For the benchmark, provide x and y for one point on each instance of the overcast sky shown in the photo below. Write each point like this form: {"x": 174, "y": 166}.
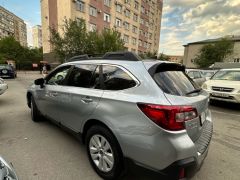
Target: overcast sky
{"x": 186, "y": 21}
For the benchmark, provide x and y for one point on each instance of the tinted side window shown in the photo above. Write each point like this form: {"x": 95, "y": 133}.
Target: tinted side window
{"x": 115, "y": 78}
{"x": 58, "y": 77}
{"x": 84, "y": 76}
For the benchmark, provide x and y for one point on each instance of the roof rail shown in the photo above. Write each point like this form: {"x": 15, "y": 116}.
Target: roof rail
{"x": 125, "y": 55}
{"x": 78, "y": 58}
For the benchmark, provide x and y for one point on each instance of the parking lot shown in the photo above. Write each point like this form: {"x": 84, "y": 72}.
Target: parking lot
{"x": 44, "y": 151}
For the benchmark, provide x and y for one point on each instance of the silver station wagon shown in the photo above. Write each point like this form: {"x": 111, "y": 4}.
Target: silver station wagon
{"x": 125, "y": 108}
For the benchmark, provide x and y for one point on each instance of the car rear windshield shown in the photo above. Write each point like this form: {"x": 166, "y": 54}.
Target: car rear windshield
{"x": 227, "y": 75}
{"x": 5, "y": 67}
{"x": 174, "y": 82}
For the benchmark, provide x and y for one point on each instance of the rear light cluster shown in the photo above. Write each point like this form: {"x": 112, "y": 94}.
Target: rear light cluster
{"x": 169, "y": 117}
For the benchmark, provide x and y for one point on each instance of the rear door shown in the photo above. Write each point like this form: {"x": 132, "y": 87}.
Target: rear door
{"x": 84, "y": 93}
{"x": 179, "y": 89}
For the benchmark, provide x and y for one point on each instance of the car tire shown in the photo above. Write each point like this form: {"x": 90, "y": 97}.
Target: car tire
{"x": 35, "y": 114}
{"x": 108, "y": 155}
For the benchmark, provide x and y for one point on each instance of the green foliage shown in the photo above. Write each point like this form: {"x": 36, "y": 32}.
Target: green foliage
{"x": 163, "y": 57}
{"x": 214, "y": 52}
{"x": 75, "y": 40}
{"x": 10, "y": 49}
{"x": 149, "y": 55}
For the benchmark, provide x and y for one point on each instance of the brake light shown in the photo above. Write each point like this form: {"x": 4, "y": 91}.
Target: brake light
{"x": 169, "y": 117}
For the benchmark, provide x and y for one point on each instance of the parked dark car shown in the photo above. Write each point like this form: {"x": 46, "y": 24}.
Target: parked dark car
{"x": 7, "y": 71}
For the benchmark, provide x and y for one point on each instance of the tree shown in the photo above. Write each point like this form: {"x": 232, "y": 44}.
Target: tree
{"x": 149, "y": 55}
{"x": 163, "y": 57}
{"x": 214, "y": 52}
{"x": 10, "y": 49}
{"x": 75, "y": 40}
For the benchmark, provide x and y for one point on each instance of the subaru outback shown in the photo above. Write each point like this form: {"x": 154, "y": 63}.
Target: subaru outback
{"x": 149, "y": 112}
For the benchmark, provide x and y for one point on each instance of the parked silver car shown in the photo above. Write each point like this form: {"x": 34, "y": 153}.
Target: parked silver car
{"x": 150, "y": 112}
{"x": 6, "y": 171}
{"x": 197, "y": 76}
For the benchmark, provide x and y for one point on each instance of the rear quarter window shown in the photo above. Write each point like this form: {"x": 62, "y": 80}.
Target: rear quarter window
{"x": 115, "y": 78}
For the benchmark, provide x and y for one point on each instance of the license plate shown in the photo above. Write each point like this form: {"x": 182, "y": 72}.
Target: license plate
{"x": 220, "y": 94}
{"x": 203, "y": 117}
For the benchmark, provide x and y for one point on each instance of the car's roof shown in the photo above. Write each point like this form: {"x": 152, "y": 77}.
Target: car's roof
{"x": 232, "y": 69}
{"x": 104, "y": 61}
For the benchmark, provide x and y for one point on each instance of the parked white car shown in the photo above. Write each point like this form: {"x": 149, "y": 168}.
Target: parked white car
{"x": 3, "y": 86}
{"x": 224, "y": 85}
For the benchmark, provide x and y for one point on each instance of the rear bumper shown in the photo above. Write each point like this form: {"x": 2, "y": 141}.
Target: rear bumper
{"x": 169, "y": 155}
{"x": 3, "y": 88}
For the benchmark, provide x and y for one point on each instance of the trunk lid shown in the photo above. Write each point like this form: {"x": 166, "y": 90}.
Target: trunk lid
{"x": 180, "y": 90}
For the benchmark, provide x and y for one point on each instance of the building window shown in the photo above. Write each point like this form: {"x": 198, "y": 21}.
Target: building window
{"x": 119, "y": 8}
{"x": 141, "y": 32}
{"x": 142, "y": 9}
{"x": 128, "y": 1}
{"x": 126, "y": 38}
{"x": 127, "y": 13}
{"x": 136, "y": 5}
{"x": 92, "y": 11}
{"x": 106, "y": 17}
{"x": 118, "y": 22}
{"x": 146, "y": 23}
{"x": 80, "y": 5}
{"x": 140, "y": 42}
{"x": 141, "y": 21}
{"x": 92, "y": 27}
{"x": 107, "y": 3}
{"x": 145, "y": 44}
{"x": 135, "y": 17}
{"x": 134, "y": 29}
{"x": 126, "y": 25}
{"x": 150, "y": 35}
{"x": 134, "y": 41}
{"x": 146, "y": 34}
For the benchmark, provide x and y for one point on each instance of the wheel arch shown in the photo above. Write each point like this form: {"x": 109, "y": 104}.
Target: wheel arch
{"x": 92, "y": 122}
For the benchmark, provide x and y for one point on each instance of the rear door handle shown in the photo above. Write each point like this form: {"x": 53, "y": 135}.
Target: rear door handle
{"x": 86, "y": 99}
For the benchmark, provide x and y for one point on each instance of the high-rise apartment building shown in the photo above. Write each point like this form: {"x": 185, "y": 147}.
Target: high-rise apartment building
{"x": 11, "y": 25}
{"x": 37, "y": 36}
{"x": 138, "y": 21}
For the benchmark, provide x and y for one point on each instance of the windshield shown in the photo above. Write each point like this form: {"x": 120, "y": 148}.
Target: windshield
{"x": 227, "y": 75}
{"x": 175, "y": 82}
{"x": 208, "y": 74}
{"x": 5, "y": 67}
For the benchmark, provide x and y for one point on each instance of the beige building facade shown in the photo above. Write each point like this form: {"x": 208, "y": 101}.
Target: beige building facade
{"x": 37, "y": 36}
{"x": 192, "y": 50}
{"x": 11, "y": 25}
{"x": 176, "y": 59}
{"x": 138, "y": 21}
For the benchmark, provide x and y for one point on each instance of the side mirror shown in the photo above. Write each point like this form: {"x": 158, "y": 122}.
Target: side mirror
{"x": 40, "y": 82}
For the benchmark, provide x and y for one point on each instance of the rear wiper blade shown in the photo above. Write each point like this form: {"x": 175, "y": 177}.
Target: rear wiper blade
{"x": 194, "y": 91}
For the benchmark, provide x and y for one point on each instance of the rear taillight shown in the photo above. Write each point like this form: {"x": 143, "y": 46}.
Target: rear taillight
{"x": 169, "y": 117}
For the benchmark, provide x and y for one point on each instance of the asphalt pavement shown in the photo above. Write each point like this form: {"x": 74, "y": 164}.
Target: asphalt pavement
{"x": 42, "y": 151}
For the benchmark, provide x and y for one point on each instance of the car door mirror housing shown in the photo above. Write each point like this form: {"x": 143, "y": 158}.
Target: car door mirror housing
{"x": 40, "y": 82}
